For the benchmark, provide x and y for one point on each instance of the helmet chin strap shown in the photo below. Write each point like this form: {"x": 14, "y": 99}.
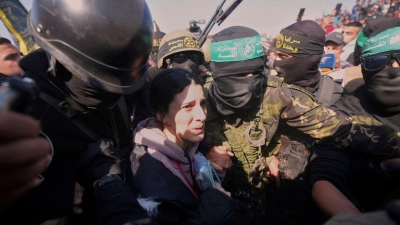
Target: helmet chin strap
{"x": 169, "y": 64}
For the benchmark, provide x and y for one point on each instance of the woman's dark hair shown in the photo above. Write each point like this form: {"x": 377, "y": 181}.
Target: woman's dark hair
{"x": 166, "y": 85}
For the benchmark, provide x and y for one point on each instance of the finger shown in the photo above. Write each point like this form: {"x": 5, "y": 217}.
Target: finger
{"x": 222, "y": 148}
{"x": 278, "y": 182}
{"x": 14, "y": 126}
{"x": 24, "y": 151}
{"x": 77, "y": 210}
{"x": 7, "y": 198}
{"x": 225, "y": 164}
{"x": 231, "y": 154}
{"x": 20, "y": 176}
{"x": 216, "y": 166}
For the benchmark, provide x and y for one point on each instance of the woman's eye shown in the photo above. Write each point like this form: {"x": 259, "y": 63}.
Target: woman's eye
{"x": 186, "y": 106}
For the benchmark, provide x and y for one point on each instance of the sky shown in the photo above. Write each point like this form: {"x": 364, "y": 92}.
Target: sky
{"x": 264, "y": 16}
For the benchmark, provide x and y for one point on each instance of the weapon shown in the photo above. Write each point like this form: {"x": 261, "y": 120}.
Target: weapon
{"x": 17, "y": 94}
{"x": 218, "y": 17}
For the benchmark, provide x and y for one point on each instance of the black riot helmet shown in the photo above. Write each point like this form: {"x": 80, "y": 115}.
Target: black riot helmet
{"x": 105, "y": 43}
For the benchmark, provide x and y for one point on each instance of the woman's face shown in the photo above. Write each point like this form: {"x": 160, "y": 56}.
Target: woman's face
{"x": 184, "y": 122}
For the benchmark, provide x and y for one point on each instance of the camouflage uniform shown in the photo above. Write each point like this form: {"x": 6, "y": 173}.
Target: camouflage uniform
{"x": 254, "y": 137}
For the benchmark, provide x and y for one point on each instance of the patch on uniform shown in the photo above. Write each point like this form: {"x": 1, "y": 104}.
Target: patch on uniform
{"x": 279, "y": 41}
{"x": 191, "y": 42}
{"x": 156, "y": 42}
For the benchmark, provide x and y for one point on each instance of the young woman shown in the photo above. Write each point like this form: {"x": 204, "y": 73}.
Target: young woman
{"x": 163, "y": 173}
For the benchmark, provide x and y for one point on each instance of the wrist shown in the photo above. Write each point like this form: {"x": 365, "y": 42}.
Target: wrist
{"x": 106, "y": 179}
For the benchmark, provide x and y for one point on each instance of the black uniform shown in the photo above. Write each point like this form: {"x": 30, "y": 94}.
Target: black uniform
{"x": 54, "y": 197}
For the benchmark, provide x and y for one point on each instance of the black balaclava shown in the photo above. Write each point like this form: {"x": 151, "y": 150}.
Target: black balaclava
{"x": 81, "y": 95}
{"x": 303, "y": 40}
{"x": 189, "y": 65}
{"x": 383, "y": 86}
{"x": 229, "y": 93}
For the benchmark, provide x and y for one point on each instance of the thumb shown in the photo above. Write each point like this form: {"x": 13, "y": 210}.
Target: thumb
{"x": 230, "y": 153}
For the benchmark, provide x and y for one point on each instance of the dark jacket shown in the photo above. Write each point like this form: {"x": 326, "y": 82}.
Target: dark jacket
{"x": 54, "y": 197}
{"x": 178, "y": 205}
{"x": 350, "y": 171}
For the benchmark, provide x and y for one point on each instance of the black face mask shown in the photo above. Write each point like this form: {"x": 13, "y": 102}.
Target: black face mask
{"x": 231, "y": 94}
{"x": 82, "y": 96}
{"x": 154, "y": 58}
{"x": 189, "y": 65}
{"x": 383, "y": 88}
{"x": 300, "y": 71}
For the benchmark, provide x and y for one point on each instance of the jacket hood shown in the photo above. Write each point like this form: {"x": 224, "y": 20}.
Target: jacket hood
{"x": 149, "y": 133}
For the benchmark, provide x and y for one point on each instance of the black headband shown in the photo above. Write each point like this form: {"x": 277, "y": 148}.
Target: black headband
{"x": 291, "y": 43}
{"x": 174, "y": 45}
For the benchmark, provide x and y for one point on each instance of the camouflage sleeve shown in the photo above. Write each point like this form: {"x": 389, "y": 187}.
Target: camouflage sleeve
{"x": 300, "y": 110}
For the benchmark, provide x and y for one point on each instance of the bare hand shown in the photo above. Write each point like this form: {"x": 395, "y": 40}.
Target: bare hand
{"x": 273, "y": 171}
{"x": 265, "y": 46}
{"x": 202, "y": 70}
{"x": 326, "y": 21}
{"x": 23, "y": 155}
{"x": 220, "y": 159}
{"x": 220, "y": 188}
{"x": 391, "y": 165}
{"x": 78, "y": 198}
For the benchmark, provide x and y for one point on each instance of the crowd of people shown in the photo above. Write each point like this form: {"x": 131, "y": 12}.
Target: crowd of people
{"x": 136, "y": 126}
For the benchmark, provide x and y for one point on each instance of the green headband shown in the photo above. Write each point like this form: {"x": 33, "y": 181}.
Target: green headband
{"x": 237, "y": 49}
{"x": 361, "y": 38}
{"x": 385, "y": 41}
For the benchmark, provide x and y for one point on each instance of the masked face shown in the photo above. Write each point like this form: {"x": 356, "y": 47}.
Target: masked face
{"x": 384, "y": 87}
{"x": 81, "y": 95}
{"x": 188, "y": 61}
{"x": 235, "y": 94}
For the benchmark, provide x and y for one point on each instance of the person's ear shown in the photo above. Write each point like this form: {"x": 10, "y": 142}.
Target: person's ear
{"x": 162, "y": 119}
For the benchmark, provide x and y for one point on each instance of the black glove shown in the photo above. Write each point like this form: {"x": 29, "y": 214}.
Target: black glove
{"x": 99, "y": 159}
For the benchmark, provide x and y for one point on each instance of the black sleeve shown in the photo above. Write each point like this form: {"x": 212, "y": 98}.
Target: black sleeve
{"x": 330, "y": 165}
{"x": 116, "y": 204}
{"x": 214, "y": 208}
{"x": 350, "y": 59}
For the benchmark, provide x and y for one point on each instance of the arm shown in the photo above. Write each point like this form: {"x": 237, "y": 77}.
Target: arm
{"x": 114, "y": 201}
{"x": 330, "y": 200}
{"x": 23, "y": 155}
{"x": 215, "y": 207}
{"x": 334, "y": 129}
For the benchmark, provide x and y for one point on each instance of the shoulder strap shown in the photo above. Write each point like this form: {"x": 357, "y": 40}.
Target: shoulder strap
{"x": 55, "y": 103}
{"x": 325, "y": 90}
{"x": 124, "y": 111}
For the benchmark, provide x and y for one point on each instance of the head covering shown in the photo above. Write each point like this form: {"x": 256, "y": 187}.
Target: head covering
{"x": 236, "y": 51}
{"x": 383, "y": 86}
{"x": 366, "y": 32}
{"x": 335, "y": 37}
{"x": 178, "y": 41}
{"x": 158, "y": 35}
{"x": 239, "y": 66}
{"x": 305, "y": 41}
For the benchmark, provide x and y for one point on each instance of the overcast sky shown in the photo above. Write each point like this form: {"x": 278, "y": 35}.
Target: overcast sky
{"x": 265, "y": 16}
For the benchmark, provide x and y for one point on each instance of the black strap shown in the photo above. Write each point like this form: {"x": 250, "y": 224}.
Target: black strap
{"x": 55, "y": 103}
{"x": 124, "y": 111}
{"x": 325, "y": 90}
